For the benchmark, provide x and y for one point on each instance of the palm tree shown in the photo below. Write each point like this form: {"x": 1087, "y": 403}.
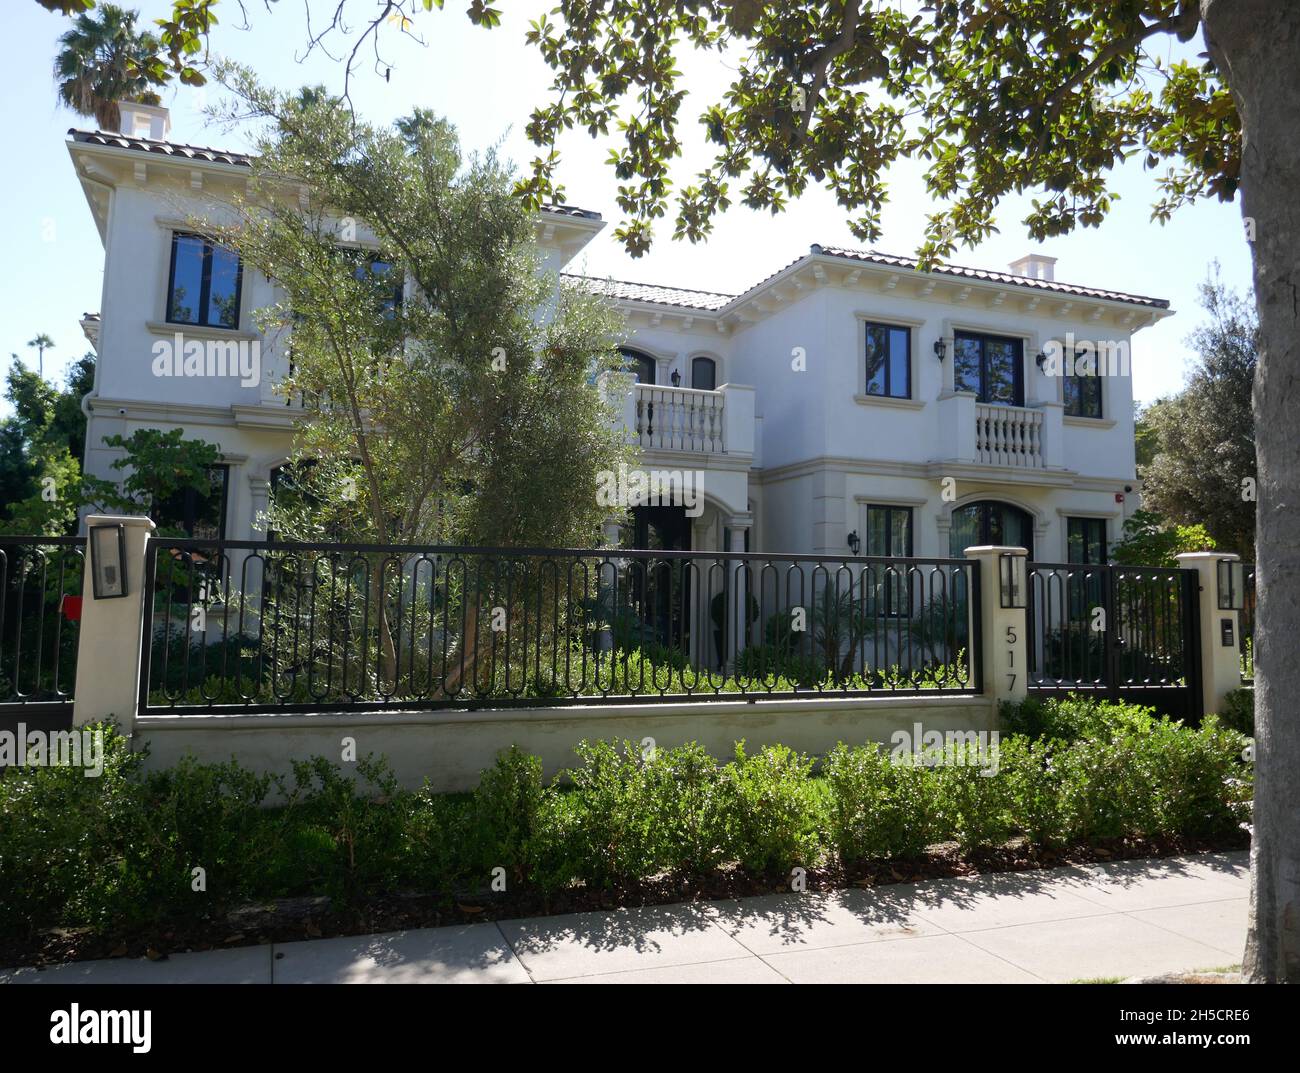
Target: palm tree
{"x": 42, "y": 343}
{"x": 101, "y": 62}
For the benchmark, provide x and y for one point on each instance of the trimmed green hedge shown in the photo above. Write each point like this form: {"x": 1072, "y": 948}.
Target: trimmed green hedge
{"x": 119, "y": 851}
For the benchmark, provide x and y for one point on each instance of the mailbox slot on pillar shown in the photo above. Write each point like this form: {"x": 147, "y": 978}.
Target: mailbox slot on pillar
{"x": 108, "y": 561}
{"x": 1225, "y": 632}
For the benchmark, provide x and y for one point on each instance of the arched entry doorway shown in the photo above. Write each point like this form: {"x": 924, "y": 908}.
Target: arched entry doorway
{"x": 990, "y": 521}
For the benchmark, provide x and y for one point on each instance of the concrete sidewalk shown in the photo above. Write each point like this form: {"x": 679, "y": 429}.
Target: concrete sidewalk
{"x": 1124, "y": 919}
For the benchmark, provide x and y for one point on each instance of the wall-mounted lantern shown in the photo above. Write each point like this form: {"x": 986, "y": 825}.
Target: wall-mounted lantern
{"x": 855, "y": 542}
{"x": 1041, "y": 359}
{"x": 676, "y": 378}
{"x": 940, "y": 349}
{"x": 1011, "y": 580}
{"x": 1232, "y": 585}
{"x": 108, "y": 561}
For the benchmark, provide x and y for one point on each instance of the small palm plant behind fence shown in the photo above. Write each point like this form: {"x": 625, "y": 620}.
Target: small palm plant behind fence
{"x": 267, "y": 626}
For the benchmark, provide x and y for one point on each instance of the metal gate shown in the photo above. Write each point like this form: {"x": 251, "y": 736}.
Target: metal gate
{"x": 1118, "y": 632}
{"x": 39, "y": 633}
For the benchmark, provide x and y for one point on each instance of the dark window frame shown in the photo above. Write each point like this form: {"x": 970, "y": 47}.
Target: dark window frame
{"x": 190, "y": 501}
{"x": 897, "y": 596}
{"x": 713, "y": 372}
{"x": 205, "y": 284}
{"x": 1085, "y": 523}
{"x": 636, "y": 362}
{"x": 985, "y": 534}
{"x": 1018, "y": 370}
{"x": 1086, "y": 590}
{"x": 889, "y": 392}
{"x": 1074, "y": 407}
{"x": 367, "y": 262}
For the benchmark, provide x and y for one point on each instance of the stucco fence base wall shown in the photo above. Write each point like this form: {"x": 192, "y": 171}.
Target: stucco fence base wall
{"x": 451, "y": 748}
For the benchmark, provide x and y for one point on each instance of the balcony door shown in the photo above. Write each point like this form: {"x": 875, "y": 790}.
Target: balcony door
{"x": 640, "y": 366}
{"x": 992, "y": 366}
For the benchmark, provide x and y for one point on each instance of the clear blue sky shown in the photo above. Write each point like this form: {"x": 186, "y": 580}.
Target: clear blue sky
{"x": 486, "y": 82}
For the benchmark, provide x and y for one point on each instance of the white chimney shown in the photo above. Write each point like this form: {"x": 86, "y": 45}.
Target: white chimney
{"x": 1035, "y": 266}
{"x": 151, "y": 121}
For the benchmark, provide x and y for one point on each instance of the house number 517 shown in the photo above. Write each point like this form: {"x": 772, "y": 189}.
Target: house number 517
{"x": 1011, "y": 655}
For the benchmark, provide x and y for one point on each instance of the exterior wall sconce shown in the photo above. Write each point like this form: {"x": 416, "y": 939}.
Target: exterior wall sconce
{"x": 1040, "y": 360}
{"x": 1232, "y": 585}
{"x": 1011, "y": 580}
{"x": 940, "y": 349}
{"x": 855, "y": 542}
{"x": 108, "y": 561}
{"x": 676, "y": 378}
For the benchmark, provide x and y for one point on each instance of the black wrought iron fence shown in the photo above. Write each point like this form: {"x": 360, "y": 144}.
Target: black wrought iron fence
{"x": 1127, "y": 632}
{"x": 40, "y": 592}
{"x": 274, "y": 626}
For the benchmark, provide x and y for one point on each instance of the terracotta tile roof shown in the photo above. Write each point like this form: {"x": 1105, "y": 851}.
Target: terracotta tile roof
{"x": 909, "y": 263}
{"x": 224, "y": 156}
{"x": 572, "y": 210}
{"x": 714, "y": 301}
{"x": 171, "y": 149}
{"x": 649, "y": 292}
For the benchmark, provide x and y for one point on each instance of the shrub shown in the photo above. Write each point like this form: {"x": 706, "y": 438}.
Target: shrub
{"x": 505, "y": 817}
{"x": 118, "y": 851}
{"x": 1071, "y": 717}
{"x": 772, "y": 809}
{"x": 63, "y": 839}
{"x": 972, "y": 799}
{"x": 610, "y": 833}
{"x": 1238, "y": 711}
{"x": 880, "y": 806}
{"x": 1195, "y": 783}
{"x": 1033, "y": 788}
{"x": 207, "y": 816}
{"x": 363, "y": 826}
{"x": 685, "y": 795}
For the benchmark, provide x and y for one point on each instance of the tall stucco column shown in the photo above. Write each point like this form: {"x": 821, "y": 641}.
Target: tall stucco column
{"x": 109, "y": 644}
{"x": 1003, "y": 640}
{"x": 738, "y": 591}
{"x": 697, "y": 573}
{"x": 1220, "y": 637}
{"x": 259, "y": 494}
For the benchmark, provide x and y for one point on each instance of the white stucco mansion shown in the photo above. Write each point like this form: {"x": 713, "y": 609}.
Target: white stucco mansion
{"x": 846, "y": 401}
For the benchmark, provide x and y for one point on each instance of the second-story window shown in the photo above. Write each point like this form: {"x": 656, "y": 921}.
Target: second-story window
{"x": 991, "y": 366}
{"x": 704, "y": 374}
{"x": 203, "y": 284}
{"x": 1082, "y": 388}
{"x": 385, "y": 281}
{"x": 889, "y": 362}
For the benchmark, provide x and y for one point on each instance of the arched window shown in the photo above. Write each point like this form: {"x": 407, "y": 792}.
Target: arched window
{"x": 704, "y": 374}
{"x": 990, "y": 522}
{"x": 640, "y": 365}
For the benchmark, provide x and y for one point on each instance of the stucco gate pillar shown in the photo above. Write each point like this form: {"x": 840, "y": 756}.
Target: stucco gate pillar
{"x": 1220, "y": 636}
{"x": 1004, "y": 640}
{"x": 109, "y": 643}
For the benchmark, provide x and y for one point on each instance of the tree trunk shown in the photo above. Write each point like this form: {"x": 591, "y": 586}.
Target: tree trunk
{"x": 1256, "y": 44}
